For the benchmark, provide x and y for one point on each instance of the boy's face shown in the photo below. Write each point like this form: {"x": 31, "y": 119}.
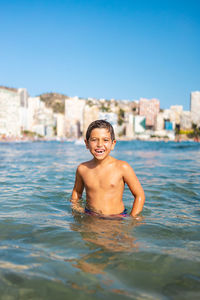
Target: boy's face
{"x": 100, "y": 143}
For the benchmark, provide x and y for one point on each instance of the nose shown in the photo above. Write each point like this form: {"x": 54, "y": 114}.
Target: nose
{"x": 99, "y": 143}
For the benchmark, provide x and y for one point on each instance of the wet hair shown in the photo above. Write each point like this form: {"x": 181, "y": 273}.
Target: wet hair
{"x": 100, "y": 124}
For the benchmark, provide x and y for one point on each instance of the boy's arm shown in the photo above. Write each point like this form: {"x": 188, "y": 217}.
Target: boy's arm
{"x": 135, "y": 187}
{"x": 77, "y": 191}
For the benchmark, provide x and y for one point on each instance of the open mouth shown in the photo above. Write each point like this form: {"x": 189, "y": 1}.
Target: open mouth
{"x": 99, "y": 151}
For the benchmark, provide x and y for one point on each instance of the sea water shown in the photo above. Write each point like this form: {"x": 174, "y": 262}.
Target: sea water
{"x": 48, "y": 252}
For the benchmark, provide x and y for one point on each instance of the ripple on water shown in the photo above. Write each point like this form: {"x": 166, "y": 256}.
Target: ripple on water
{"x": 48, "y": 252}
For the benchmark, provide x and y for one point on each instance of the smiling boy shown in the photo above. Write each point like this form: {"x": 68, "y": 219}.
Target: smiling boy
{"x": 104, "y": 177}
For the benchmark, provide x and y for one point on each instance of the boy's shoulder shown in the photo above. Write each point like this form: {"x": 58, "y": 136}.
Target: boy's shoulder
{"x": 123, "y": 163}
{"x": 120, "y": 162}
{"x": 84, "y": 165}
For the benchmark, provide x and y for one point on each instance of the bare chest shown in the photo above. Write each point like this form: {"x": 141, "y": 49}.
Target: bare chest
{"x": 106, "y": 179}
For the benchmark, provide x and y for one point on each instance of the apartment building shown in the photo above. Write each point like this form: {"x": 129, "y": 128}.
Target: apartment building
{"x": 10, "y": 122}
{"x": 149, "y": 109}
{"x": 74, "y": 117}
{"x": 195, "y": 107}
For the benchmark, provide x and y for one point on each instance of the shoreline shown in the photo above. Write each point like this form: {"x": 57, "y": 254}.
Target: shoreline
{"x": 79, "y": 141}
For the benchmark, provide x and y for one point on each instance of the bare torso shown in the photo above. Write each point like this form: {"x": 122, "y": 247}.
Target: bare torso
{"x": 104, "y": 186}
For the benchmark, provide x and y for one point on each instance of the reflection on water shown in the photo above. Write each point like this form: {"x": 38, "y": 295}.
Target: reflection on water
{"x": 48, "y": 252}
{"x": 111, "y": 234}
{"x": 105, "y": 238}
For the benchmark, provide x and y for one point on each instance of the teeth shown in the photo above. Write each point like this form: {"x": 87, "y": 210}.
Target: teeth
{"x": 99, "y": 151}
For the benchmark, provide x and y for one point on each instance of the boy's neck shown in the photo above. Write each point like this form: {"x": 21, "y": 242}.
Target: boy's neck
{"x": 103, "y": 161}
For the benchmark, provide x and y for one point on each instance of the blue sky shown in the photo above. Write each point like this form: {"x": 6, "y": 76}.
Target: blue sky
{"x": 122, "y": 49}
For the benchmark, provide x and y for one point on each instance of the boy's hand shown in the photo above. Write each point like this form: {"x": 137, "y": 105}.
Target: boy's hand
{"x": 76, "y": 206}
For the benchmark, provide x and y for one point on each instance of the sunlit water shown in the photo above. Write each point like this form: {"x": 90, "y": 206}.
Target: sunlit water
{"x": 47, "y": 252}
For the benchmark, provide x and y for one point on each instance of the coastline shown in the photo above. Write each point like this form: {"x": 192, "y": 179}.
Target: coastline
{"x": 180, "y": 138}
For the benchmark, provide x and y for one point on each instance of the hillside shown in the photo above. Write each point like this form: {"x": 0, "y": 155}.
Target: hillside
{"x": 55, "y": 101}
{"x": 8, "y": 88}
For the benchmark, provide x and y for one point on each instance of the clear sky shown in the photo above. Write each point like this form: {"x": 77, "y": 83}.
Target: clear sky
{"x": 122, "y": 49}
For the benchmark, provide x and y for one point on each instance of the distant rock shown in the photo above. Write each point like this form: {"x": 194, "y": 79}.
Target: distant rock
{"x": 8, "y": 88}
{"x": 54, "y": 100}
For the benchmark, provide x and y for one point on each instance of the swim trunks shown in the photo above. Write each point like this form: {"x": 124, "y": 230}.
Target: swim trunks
{"x": 90, "y": 212}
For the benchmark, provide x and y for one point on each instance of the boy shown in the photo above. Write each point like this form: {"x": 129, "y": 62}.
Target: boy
{"x": 104, "y": 177}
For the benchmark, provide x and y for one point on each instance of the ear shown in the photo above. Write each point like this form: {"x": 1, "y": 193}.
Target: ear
{"x": 86, "y": 144}
{"x": 113, "y": 144}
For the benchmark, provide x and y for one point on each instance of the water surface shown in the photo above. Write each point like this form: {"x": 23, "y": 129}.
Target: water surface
{"x": 48, "y": 252}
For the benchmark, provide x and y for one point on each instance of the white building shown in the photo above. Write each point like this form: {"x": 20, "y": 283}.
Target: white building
{"x": 139, "y": 124}
{"x": 60, "y": 125}
{"x": 175, "y": 114}
{"x": 90, "y": 114}
{"x": 172, "y": 115}
{"x": 160, "y": 121}
{"x": 186, "y": 120}
{"x": 74, "y": 110}
{"x": 129, "y": 126}
{"x": 41, "y": 119}
{"x": 23, "y": 108}
{"x": 10, "y": 124}
{"x": 195, "y": 107}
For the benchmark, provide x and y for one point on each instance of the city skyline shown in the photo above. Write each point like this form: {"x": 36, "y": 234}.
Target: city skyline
{"x": 52, "y": 116}
{"x": 102, "y": 49}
